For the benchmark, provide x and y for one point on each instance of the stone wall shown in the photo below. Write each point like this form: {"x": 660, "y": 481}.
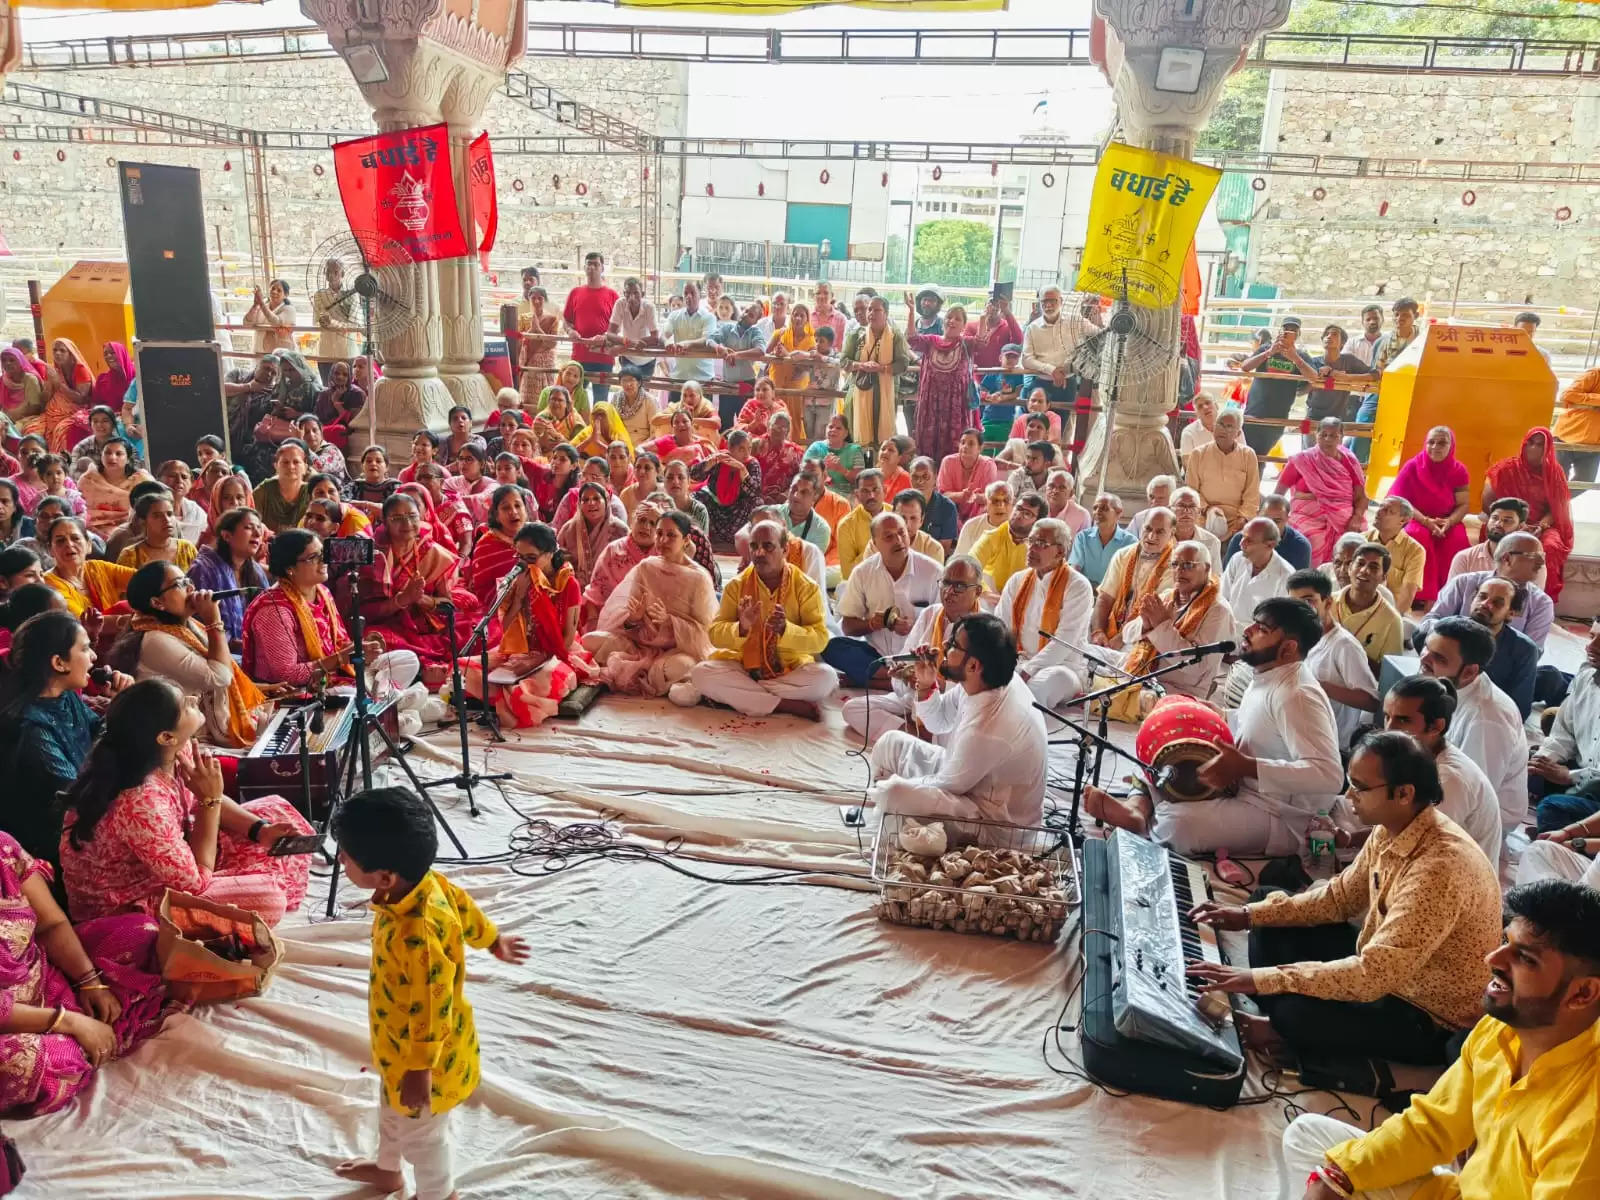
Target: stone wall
{"x": 65, "y": 198}
{"x": 1507, "y": 245}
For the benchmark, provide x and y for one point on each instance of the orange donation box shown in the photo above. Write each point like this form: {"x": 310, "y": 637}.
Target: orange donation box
{"x": 1489, "y": 384}
{"x": 90, "y": 306}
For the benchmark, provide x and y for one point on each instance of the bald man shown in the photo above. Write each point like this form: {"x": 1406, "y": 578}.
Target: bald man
{"x": 1519, "y": 557}
{"x": 767, "y": 633}
{"x": 1258, "y": 572}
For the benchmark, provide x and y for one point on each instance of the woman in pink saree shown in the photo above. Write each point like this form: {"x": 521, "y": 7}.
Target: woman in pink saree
{"x": 69, "y": 395}
{"x": 1437, "y": 483}
{"x": 70, "y": 997}
{"x": 404, "y": 589}
{"x": 1327, "y": 490}
{"x": 657, "y": 624}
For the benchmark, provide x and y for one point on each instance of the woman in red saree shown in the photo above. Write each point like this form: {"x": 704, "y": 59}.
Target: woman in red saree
{"x": 434, "y": 528}
{"x": 404, "y": 587}
{"x": 1327, "y": 490}
{"x": 944, "y": 383}
{"x": 1534, "y": 475}
{"x": 1438, "y": 485}
{"x": 495, "y": 552}
{"x": 550, "y": 484}
{"x": 779, "y": 459}
{"x": 69, "y": 392}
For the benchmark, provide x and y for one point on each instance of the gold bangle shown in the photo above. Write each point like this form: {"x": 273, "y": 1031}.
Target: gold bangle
{"x": 209, "y": 803}
{"x": 61, "y": 1013}
{"x": 92, "y": 987}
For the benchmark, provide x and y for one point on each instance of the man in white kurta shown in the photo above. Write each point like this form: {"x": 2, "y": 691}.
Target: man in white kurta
{"x": 874, "y": 713}
{"x": 1258, "y": 572}
{"x": 1193, "y": 613}
{"x": 992, "y": 765}
{"x": 1425, "y": 708}
{"x": 1338, "y": 661}
{"x": 879, "y": 602}
{"x": 1054, "y": 672}
{"x": 1487, "y": 727}
{"x": 1284, "y": 761}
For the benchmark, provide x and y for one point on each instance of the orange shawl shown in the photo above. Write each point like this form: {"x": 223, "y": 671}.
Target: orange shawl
{"x": 1123, "y": 599}
{"x": 760, "y": 656}
{"x": 1051, "y": 617}
{"x": 1143, "y": 656}
{"x": 243, "y": 695}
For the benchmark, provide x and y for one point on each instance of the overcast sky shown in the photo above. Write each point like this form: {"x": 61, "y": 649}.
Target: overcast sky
{"x": 961, "y": 104}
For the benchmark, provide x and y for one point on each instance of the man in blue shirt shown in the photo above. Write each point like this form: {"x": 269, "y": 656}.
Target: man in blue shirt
{"x": 1293, "y": 546}
{"x": 1515, "y": 665}
{"x": 1273, "y": 398}
{"x": 688, "y": 329}
{"x": 1093, "y": 547}
{"x": 743, "y": 342}
{"x": 940, "y": 519}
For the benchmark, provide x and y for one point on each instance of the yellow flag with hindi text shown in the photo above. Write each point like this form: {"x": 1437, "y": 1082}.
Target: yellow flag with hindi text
{"x": 1142, "y": 219}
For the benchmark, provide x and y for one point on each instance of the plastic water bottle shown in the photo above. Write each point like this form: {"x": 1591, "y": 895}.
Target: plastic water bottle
{"x": 1319, "y": 837}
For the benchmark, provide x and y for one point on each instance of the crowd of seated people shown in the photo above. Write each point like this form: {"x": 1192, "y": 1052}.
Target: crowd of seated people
{"x": 950, "y": 585}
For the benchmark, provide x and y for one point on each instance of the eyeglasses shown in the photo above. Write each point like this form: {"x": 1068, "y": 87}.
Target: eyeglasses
{"x": 182, "y": 581}
{"x": 1352, "y": 790}
{"x": 1042, "y": 543}
{"x": 955, "y": 585}
{"x": 1188, "y": 566}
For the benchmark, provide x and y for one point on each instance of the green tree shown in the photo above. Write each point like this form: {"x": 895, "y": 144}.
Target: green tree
{"x": 952, "y": 252}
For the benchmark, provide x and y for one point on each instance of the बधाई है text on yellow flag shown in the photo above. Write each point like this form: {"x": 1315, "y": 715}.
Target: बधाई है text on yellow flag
{"x": 1143, "y": 214}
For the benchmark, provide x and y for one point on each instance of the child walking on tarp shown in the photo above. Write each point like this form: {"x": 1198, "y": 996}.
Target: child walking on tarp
{"x": 424, "y": 1043}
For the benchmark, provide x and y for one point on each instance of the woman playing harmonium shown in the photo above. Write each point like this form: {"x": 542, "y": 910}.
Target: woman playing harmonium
{"x": 293, "y": 632}
{"x": 410, "y": 594}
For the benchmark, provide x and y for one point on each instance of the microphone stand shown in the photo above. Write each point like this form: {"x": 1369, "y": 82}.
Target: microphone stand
{"x": 489, "y": 718}
{"x": 467, "y": 778}
{"x": 363, "y": 728}
{"x": 1101, "y": 739}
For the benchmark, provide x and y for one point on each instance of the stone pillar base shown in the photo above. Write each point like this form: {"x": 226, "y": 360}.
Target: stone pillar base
{"x": 1134, "y": 457}
{"x": 404, "y": 405}
{"x": 470, "y": 388}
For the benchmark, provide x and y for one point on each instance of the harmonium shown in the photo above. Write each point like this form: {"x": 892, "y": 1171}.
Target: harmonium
{"x": 273, "y": 766}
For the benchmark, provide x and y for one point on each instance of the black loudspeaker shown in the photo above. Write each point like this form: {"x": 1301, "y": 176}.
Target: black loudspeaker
{"x": 164, "y": 229}
{"x": 180, "y": 386}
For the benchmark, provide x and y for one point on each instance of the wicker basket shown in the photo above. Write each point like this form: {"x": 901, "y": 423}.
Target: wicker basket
{"x": 990, "y": 907}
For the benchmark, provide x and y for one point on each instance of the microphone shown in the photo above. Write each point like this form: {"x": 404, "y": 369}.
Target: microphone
{"x": 895, "y": 659}
{"x": 1224, "y": 647}
{"x": 100, "y": 675}
{"x": 230, "y": 593}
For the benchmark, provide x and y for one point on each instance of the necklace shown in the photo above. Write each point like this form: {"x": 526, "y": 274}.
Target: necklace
{"x": 625, "y": 409}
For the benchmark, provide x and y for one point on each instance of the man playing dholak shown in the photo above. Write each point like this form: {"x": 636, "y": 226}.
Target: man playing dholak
{"x": 992, "y": 765}
{"x": 1284, "y": 761}
{"x": 1136, "y": 571}
{"x": 960, "y": 586}
{"x": 1190, "y": 613}
{"x": 1048, "y": 597}
{"x": 766, "y": 631}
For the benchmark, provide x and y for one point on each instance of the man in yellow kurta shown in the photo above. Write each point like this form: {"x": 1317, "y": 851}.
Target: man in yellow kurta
{"x": 1407, "y": 557}
{"x": 1520, "y": 1101}
{"x": 767, "y": 632}
{"x": 424, "y": 1042}
{"x": 854, "y": 533}
{"x": 1004, "y": 551}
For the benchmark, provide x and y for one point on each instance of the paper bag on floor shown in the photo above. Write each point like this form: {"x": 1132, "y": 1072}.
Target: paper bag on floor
{"x": 212, "y": 953}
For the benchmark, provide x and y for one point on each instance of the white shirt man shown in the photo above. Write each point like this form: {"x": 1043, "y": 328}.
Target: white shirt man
{"x": 1487, "y": 727}
{"x": 872, "y": 590}
{"x": 1048, "y": 342}
{"x": 1191, "y": 572}
{"x": 1258, "y": 572}
{"x": 873, "y": 714}
{"x": 992, "y": 765}
{"x": 1338, "y": 660}
{"x": 634, "y": 327}
{"x": 1052, "y": 671}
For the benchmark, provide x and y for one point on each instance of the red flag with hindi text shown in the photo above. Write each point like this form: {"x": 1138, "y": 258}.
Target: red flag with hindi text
{"x": 399, "y": 185}
{"x": 485, "y": 206}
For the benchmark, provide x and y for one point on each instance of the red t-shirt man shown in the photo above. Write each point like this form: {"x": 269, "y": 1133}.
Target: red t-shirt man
{"x": 588, "y": 310}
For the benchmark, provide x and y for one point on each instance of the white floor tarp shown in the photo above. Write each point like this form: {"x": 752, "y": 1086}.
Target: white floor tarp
{"x": 669, "y": 1037}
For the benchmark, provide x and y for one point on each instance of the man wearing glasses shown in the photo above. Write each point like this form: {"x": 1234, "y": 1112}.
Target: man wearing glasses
{"x": 1190, "y": 613}
{"x": 1284, "y": 762}
{"x": 1044, "y": 602}
{"x": 876, "y": 712}
{"x": 1413, "y": 977}
{"x": 991, "y": 766}
{"x": 1047, "y": 346}
{"x": 1519, "y": 558}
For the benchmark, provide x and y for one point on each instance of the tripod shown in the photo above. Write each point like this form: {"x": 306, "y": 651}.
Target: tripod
{"x": 367, "y": 724}
{"x": 1100, "y": 738}
{"x": 467, "y": 778}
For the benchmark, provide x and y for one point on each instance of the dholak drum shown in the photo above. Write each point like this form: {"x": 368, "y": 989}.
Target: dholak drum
{"x": 1178, "y": 736}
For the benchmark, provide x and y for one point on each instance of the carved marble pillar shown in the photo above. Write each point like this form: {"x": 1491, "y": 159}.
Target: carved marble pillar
{"x": 1207, "y": 40}
{"x": 419, "y": 62}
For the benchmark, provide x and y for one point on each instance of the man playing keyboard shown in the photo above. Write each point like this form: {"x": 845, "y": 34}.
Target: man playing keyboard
{"x": 1429, "y": 906}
